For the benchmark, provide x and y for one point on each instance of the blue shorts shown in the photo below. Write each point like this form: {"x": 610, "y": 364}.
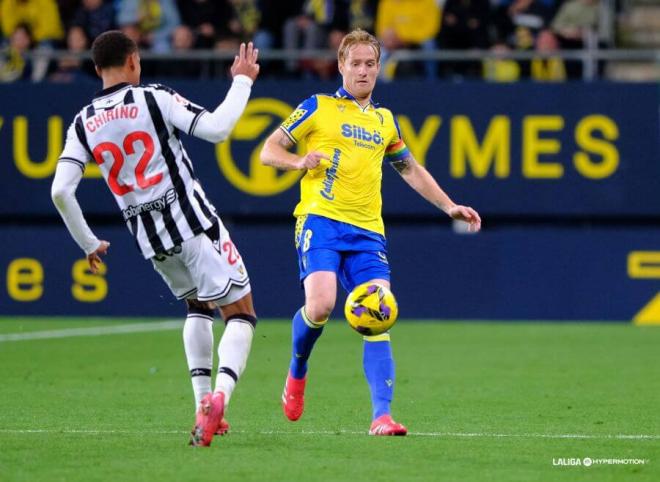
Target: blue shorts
{"x": 357, "y": 255}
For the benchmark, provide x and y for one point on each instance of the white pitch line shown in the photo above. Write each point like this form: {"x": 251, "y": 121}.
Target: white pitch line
{"x": 345, "y": 432}
{"x": 93, "y": 331}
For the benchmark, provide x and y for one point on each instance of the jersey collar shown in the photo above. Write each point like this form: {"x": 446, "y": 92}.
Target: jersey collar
{"x": 344, "y": 94}
{"x": 111, "y": 90}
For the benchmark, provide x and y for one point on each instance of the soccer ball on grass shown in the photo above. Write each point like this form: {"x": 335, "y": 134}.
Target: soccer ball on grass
{"x": 371, "y": 309}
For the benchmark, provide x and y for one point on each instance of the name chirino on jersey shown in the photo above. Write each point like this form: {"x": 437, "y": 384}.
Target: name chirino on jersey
{"x": 130, "y": 132}
{"x": 103, "y": 117}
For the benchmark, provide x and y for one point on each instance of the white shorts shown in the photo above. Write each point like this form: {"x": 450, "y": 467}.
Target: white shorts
{"x": 204, "y": 268}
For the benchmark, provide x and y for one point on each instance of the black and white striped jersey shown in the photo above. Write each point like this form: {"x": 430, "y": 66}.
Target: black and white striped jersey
{"x": 132, "y": 133}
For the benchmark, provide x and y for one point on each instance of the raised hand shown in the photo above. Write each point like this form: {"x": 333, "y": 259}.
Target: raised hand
{"x": 245, "y": 63}
{"x": 94, "y": 259}
{"x": 467, "y": 214}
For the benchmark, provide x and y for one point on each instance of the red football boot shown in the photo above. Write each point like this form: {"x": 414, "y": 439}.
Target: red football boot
{"x": 384, "y": 425}
{"x": 223, "y": 428}
{"x": 293, "y": 397}
{"x": 209, "y": 415}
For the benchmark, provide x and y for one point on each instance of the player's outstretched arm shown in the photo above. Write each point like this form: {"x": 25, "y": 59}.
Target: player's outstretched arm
{"x": 217, "y": 125}
{"x": 421, "y": 181}
{"x": 275, "y": 153}
{"x": 63, "y": 193}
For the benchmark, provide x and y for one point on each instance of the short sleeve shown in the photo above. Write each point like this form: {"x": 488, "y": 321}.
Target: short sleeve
{"x": 75, "y": 149}
{"x": 301, "y": 121}
{"x": 396, "y": 149}
{"x": 180, "y": 112}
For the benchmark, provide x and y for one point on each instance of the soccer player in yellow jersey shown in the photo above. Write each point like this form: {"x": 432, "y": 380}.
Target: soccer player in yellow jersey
{"x": 339, "y": 229}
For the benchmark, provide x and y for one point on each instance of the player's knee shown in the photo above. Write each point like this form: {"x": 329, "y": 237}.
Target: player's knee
{"x": 196, "y": 306}
{"x": 318, "y": 309}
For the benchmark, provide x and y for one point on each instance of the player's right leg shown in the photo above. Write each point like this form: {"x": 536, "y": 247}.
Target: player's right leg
{"x": 306, "y": 327}
{"x": 222, "y": 280}
{"x": 211, "y": 276}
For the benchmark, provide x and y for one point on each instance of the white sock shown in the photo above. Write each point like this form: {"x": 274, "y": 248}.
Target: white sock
{"x": 198, "y": 343}
{"x": 233, "y": 351}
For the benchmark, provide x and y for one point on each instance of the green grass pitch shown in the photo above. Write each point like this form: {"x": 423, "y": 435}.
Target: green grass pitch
{"x": 483, "y": 401}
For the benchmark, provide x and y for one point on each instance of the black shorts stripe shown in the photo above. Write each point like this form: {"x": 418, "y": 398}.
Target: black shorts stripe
{"x": 163, "y": 136}
{"x": 171, "y": 226}
{"x": 186, "y": 294}
{"x": 230, "y": 284}
{"x": 152, "y": 234}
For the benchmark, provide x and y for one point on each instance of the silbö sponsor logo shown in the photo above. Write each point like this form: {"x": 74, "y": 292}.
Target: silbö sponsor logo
{"x": 361, "y": 136}
{"x": 331, "y": 176}
{"x": 155, "y": 205}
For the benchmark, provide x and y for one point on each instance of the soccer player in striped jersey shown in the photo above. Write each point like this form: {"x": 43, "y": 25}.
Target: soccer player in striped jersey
{"x": 132, "y": 132}
{"x": 339, "y": 228}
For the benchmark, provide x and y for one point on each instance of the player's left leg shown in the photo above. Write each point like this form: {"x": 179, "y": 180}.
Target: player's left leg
{"x": 234, "y": 347}
{"x": 371, "y": 265}
{"x": 378, "y": 364}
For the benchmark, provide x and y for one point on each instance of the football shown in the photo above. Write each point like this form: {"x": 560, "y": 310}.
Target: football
{"x": 371, "y": 309}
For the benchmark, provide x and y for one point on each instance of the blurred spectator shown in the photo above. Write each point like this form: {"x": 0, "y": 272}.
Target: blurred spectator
{"x": 72, "y": 68}
{"x": 242, "y": 25}
{"x": 94, "y": 17}
{"x": 183, "y": 40}
{"x": 501, "y": 69}
{"x": 274, "y": 14}
{"x": 347, "y": 15}
{"x": 149, "y": 22}
{"x": 575, "y": 19}
{"x": 353, "y": 14}
{"x": 518, "y": 21}
{"x": 548, "y": 69}
{"x": 41, "y": 17}
{"x": 542, "y": 69}
{"x": 13, "y": 64}
{"x": 306, "y": 28}
{"x": 406, "y": 24}
{"x": 205, "y": 18}
{"x": 464, "y": 26}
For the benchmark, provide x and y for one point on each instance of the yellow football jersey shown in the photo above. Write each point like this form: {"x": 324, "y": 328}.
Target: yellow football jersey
{"x": 357, "y": 140}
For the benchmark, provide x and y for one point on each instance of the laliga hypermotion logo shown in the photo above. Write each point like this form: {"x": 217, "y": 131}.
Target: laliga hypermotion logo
{"x": 260, "y": 118}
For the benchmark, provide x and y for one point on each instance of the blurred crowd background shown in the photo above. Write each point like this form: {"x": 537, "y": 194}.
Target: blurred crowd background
{"x": 195, "y": 38}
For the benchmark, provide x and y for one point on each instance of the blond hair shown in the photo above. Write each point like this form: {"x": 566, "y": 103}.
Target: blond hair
{"x": 354, "y": 38}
